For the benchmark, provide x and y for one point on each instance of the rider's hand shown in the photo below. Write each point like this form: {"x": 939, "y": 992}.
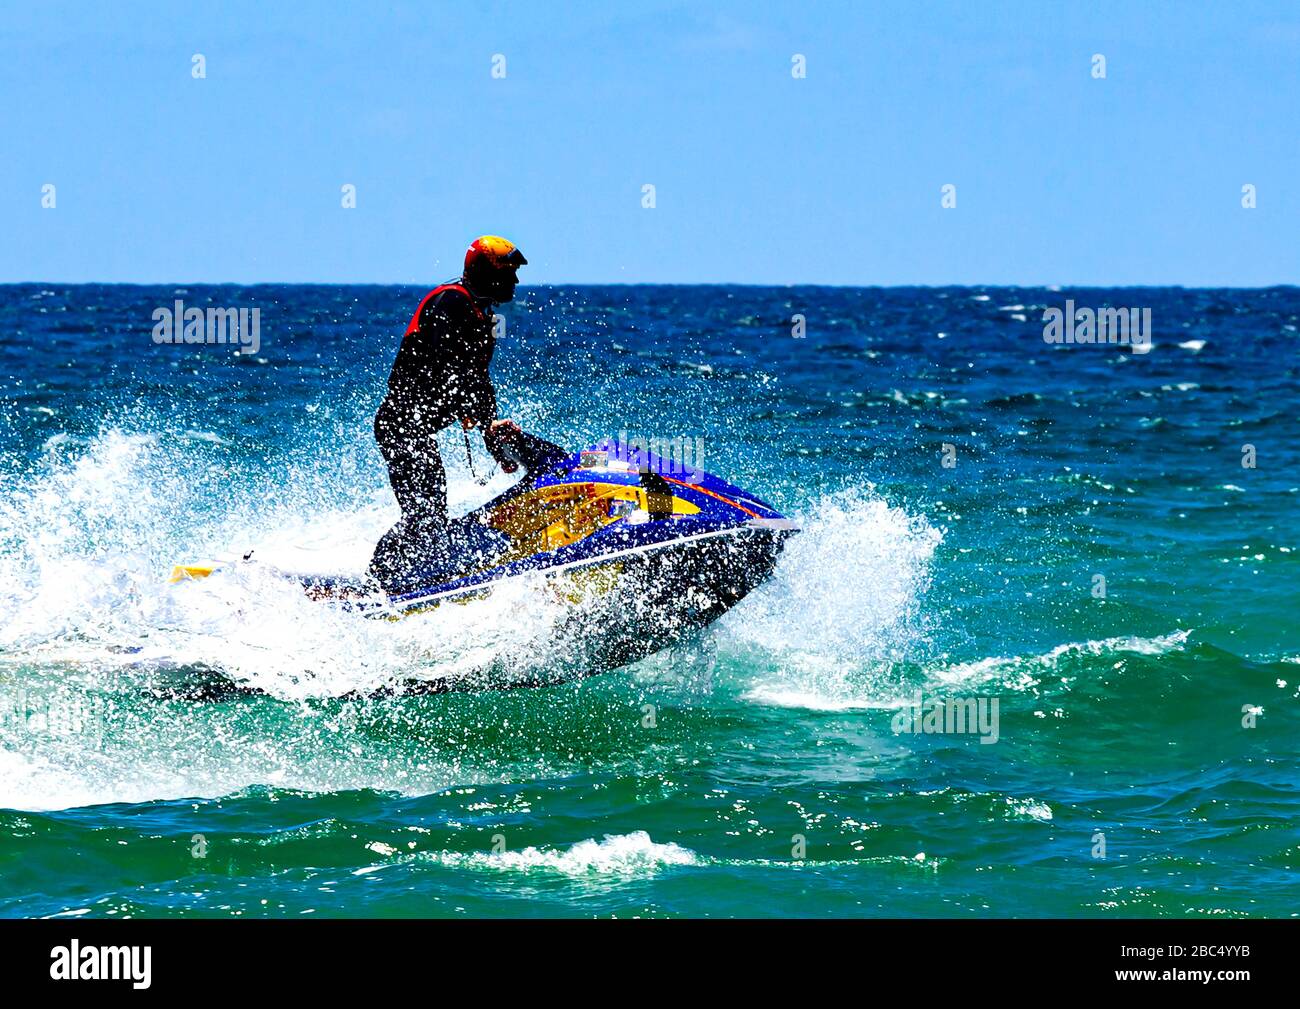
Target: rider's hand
{"x": 504, "y": 430}
{"x": 499, "y": 433}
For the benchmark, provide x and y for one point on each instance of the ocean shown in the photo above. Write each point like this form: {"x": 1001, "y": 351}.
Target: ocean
{"x": 1096, "y": 547}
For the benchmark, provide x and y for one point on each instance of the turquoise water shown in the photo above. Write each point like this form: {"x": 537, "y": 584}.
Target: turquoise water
{"x": 755, "y": 770}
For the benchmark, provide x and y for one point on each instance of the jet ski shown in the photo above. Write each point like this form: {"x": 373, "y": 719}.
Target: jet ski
{"x": 664, "y": 550}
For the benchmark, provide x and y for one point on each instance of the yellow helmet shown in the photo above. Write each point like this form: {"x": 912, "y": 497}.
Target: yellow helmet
{"x": 493, "y": 252}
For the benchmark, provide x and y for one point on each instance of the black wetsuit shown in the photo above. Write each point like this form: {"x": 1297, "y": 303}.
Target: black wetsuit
{"x": 440, "y": 376}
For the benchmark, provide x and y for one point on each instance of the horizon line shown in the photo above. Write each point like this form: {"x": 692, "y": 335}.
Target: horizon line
{"x": 653, "y": 283}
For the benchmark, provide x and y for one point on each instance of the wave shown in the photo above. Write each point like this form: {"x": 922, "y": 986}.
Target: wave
{"x": 621, "y": 855}
{"x": 1015, "y": 673}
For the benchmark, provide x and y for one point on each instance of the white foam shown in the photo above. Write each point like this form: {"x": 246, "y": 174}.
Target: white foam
{"x": 87, "y": 540}
{"x": 809, "y": 700}
{"x": 622, "y": 855}
{"x": 1008, "y": 673}
{"x": 1025, "y": 672}
{"x": 1029, "y": 809}
{"x": 843, "y": 608}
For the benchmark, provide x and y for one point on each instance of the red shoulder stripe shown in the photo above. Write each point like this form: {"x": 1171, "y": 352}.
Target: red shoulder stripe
{"x": 414, "y": 324}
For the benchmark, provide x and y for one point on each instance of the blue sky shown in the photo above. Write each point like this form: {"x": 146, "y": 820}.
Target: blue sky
{"x": 760, "y": 178}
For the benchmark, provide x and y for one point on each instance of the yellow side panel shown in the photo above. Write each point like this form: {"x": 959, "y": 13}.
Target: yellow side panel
{"x": 188, "y": 572}
{"x": 553, "y": 517}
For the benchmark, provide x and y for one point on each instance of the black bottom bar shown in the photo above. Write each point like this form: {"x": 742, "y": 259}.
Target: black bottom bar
{"x": 304, "y": 958}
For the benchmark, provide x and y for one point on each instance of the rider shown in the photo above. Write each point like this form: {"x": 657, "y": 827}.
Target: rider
{"x": 441, "y": 376}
